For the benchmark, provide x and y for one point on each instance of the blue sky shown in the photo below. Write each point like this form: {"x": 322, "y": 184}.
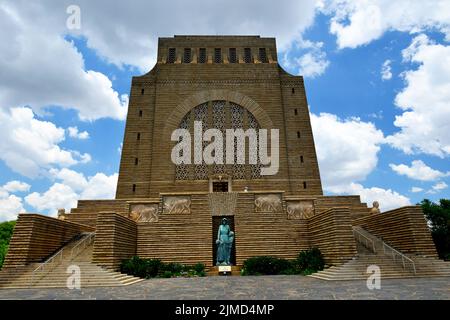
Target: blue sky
{"x": 377, "y": 78}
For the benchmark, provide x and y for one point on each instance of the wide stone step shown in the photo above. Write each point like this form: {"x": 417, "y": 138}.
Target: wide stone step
{"x": 55, "y": 275}
{"x": 356, "y": 268}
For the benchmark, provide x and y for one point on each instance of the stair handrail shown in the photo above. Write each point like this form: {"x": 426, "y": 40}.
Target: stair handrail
{"x": 359, "y": 234}
{"x": 404, "y": 259}
{"x": 82, "y": 244}
{"x": 46, "y": 263}
{"x": 396, "y": 252}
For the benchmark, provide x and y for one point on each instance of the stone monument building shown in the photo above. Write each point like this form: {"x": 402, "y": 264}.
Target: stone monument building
{"x": 172, "y": 211}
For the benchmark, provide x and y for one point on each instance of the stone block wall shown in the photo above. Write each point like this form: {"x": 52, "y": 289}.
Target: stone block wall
{"x": 331, "y": 231}
{"x": 36, "y": 237}
{"x": 405, "y": 229}
{"x": 115, "y": 239}
{"x": 267, "y": 233}
{"x": 179, "y": 237}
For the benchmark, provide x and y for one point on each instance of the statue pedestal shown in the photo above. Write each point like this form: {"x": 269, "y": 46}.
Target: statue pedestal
{"x": 224, "y": 271}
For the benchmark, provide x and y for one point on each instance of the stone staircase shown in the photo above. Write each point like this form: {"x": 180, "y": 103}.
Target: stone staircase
{"x": 55, "y": 274}
{"x": 371, "y": 252}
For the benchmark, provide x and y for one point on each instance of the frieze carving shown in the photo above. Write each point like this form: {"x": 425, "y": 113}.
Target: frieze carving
{"x": 145, "y": 212}
{"x": 268, "y": 203}
{"x": 177, "y": 205}
{"x": 303, "y": 209}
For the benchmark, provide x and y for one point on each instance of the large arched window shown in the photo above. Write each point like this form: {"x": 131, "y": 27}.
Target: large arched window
{"x": 220, "y": 115}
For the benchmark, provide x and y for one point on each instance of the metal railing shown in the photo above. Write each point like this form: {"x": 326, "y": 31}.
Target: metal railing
{"x": 46, "y": 264}
{"x": 82, "y": 245}
{"x": 368, "y": 243}
{"x": 57, "y": 257}
{"x": 394, "y": 253}
{"x": 387, "y": 250}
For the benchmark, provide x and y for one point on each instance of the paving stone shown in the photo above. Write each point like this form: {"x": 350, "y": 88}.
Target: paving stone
{"x": 263, "y": 287}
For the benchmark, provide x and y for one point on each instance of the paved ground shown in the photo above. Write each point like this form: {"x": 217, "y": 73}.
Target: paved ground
{"x": 264, "y": 287}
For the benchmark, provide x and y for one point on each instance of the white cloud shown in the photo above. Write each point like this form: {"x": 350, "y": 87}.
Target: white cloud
{"x": 386, "y": 70}
{"x": 100, "y": 186}
{"x": 11, "y": 205}
{"x": 16, "y": 186}
{"x": 84, "y": 158}
{"x": 71, "y": 178}
{"x": 418, "y": 171}
{"x": 347, "y": 150}
{"x": 312, "y": 65}
{"x": 127, "y": 34}
{"x": 358, "y": 22}
{"x": 57, "y": 197}
{"x": 138, "y": 26}
{"x": 312, "y": 61}
{"x": 70, "y": 187}
{"x": 416, "y": 189}
{"x": 74, "y": 133}
{"x": 40, "y": 68}
{"x": 425, "y": 101}
{"x": 376, "y": 115}
{"x": 30, "y": 146}
{"x": 438, "y": 187}
{"x": 388, "y": 199}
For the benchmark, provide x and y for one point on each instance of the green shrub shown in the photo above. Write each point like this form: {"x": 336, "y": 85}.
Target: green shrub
{"x": 310, "y": 261}
{"x": 266, "y": 265}
{"x": 142, "y": 268}
{"x": 199, "y": 268}
{"x": 201, "y": 274}
{"x": 174, "y": 268}
{"x": 154, "y": 267}
{"x": 134, "y": 266}
{"x": 438, "y": 216}
{"x": 6, "y": 231}
{"x": 151, "y": 268}
{"x": 3, "y": 251}
{"x": 307, "y": 262}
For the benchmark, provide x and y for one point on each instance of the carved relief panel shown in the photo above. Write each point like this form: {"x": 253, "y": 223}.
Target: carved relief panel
{"x": 268, "y": 203}
{"x": 176, "y": 205}
{"x": 302, "y": 209}
{"x": 145, "y": 212}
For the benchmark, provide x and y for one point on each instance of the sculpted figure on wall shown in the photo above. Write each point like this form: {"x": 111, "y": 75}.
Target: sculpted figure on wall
{"x": 375, "y": 207}
{"x": 62, "y": 214}
{"x": 177, "y": 204}
{"x": 268, "y": 203}
{"x": 145, "y": 213}
{"x": 300, "y": 209}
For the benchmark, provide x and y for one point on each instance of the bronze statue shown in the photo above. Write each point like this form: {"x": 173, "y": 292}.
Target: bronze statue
{"x": 225, "y": 238}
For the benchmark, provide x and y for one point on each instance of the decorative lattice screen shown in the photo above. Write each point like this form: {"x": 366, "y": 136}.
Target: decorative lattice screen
{"x": 219, "y": 115}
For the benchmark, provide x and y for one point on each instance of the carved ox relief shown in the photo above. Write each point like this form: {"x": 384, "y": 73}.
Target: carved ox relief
{"x": 144, "y": 212}
{"x": 268, "y": 203}
{"x": 177, "y": 204}
{"x": 303, "y": 209}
